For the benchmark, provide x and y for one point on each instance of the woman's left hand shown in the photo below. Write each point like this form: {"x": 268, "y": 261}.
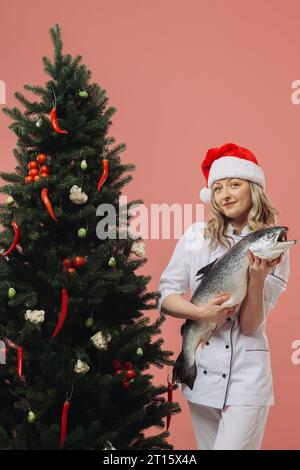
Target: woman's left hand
{"x": 260, "y": 268}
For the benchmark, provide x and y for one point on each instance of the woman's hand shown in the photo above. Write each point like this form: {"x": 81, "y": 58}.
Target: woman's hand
{"x": 214, "y": 312}
{"x": 260, "y": 268}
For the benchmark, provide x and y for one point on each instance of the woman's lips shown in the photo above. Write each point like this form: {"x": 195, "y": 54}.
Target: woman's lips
{"x": 230, "y": 204}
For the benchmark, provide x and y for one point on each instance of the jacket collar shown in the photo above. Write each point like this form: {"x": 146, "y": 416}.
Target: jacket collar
{"x": 230, "y": 231}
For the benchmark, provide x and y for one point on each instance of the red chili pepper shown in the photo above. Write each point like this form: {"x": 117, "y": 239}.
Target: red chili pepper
{"x": 54, "y": 122}
{"x": 16, "y": 238}
{"x": 63, "y": 311}
{"x": 20, "y": 361}
{"x": 170, "y": 397}
{"x": 104, "y": 173}
{"x": 64, "y": 422}
{"x": 47, "y": 203}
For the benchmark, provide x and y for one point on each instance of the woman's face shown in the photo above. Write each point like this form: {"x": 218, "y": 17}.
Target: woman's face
{"x": 235, "y": 191}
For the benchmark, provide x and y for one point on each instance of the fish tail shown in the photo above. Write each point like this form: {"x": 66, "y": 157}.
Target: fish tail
{"x": 183, "y": 373}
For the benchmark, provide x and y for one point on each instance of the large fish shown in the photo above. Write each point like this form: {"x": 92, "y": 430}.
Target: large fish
{"x": 229, "y": 274}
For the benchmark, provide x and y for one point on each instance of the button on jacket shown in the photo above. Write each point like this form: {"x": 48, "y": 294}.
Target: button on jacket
{"x": 232, "y": 368}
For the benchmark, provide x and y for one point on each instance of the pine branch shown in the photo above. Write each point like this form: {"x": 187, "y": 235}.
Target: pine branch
{"x": 55, "y": 34}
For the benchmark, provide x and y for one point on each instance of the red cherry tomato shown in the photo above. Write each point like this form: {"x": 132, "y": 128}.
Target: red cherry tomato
{"x": 130, "y": 374}
{"x": 28, "y": 179}
{"x": 45, "y": 169}
{"x": 79, "y": 261}
{"x": 41, "y": 158}
{"x": 67, "y": 263}
{"x": 33, "y": 164}
{"x": 33, "y": 172}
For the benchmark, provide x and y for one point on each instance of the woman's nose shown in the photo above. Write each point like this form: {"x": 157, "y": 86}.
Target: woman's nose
{"x": 226, "y": 193}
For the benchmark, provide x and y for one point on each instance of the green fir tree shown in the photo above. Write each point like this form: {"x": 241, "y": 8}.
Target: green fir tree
{"x": 69, "y": 281}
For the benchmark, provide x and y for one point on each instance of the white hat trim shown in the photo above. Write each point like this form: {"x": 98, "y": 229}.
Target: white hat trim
{"x": 235, "y": 167}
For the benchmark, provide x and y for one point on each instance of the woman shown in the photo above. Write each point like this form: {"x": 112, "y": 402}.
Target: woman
{"x": 233, "y": 390}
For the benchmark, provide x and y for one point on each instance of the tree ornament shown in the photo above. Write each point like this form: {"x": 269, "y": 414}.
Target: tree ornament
{"x": 53, "y": 119}
{"x": 33, "y": 172}
{"x": 83, "y": 165}
{"x": 44, "y": 169}
{"x": 104, "y": 173}
{"x": 47, "y": 203}
{"x": 67, "y": 263}
{"x": 33, "y": 164}
{"x": 130, "y": 374}
{"x": 101, "y": 341}
{"x": 11, "y": 292}
{"x": 63, "y": 312}
{"x": 139, "y": 352}
{"x": 79, "y": 262}
{"x": 81, "y": 367}
{"x": 31, "y": 418}
{"x": 35, "y": 316}
{"x": 36, "y": 178}
{"x": 89, "y": 322}
{"x": 109, "y": 446}
{"x": 77, "y": 196}
{"x": 39, "y": 123}
{"x": 15, "y": 240}
{"x": 28, "y": 179}
{"x": 138, "y": 248}
{"x": 71, "y": 271}
{"x": 83, "y": 94}
{"x": 20, "y": 357}
{"x": 112, "y": 262}
{"x": 44, "y": 175}
{"x": 10, "y": 200}
{"x": 126, "y": 385}
{"x": 41, "y": 158}
{"x": 64, "y": 422}
{"x": 81, "y": 232}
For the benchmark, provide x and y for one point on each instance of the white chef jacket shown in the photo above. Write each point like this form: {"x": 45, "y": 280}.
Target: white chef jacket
{"x": 232, "y": 368}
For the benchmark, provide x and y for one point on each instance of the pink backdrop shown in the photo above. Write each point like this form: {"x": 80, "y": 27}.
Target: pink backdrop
{"x": 185, "y": 76}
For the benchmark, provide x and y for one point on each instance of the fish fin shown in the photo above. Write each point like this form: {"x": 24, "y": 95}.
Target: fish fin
{"x": 182, "y": 373}
{"x": 203, "y": 271}
{"x": 184, "y": 325}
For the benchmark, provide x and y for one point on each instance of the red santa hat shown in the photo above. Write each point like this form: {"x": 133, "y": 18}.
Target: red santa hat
{"x": 229, "y": 161}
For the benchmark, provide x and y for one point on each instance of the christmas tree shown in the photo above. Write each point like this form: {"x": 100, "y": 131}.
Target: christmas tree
{"x": 75, "y": 344}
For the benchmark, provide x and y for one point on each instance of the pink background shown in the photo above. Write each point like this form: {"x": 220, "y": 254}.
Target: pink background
{"x": 185, "y": 76}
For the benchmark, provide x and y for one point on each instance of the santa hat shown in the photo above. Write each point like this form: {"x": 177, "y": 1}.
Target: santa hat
{"x": 229, "y": 161}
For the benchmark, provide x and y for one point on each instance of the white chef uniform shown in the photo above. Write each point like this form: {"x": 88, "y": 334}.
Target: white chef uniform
{"x": 232, "y": 368}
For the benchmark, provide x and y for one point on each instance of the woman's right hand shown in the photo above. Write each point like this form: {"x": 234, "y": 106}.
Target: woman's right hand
{"x": 213, "y": 310}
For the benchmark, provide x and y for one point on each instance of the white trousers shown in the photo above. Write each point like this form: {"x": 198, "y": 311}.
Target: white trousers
{"x": 232, "y": 428}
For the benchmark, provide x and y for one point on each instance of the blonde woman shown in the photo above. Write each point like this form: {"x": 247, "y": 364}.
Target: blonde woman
{"x": 233, "y": 390}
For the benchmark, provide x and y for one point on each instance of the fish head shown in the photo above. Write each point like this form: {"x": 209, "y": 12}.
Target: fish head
{"x": 271, "y": 242}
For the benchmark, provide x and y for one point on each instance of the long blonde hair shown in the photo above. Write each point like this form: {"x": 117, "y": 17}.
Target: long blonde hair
{"x": 261, "y": 215}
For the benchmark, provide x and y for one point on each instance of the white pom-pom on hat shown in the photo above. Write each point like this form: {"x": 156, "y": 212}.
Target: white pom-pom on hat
{"x": 205, "y": 195}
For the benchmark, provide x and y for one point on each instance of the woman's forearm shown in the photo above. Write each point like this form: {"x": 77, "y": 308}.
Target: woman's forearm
{"x": 252, "y": 311}
{"x": 175, "y": 306}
